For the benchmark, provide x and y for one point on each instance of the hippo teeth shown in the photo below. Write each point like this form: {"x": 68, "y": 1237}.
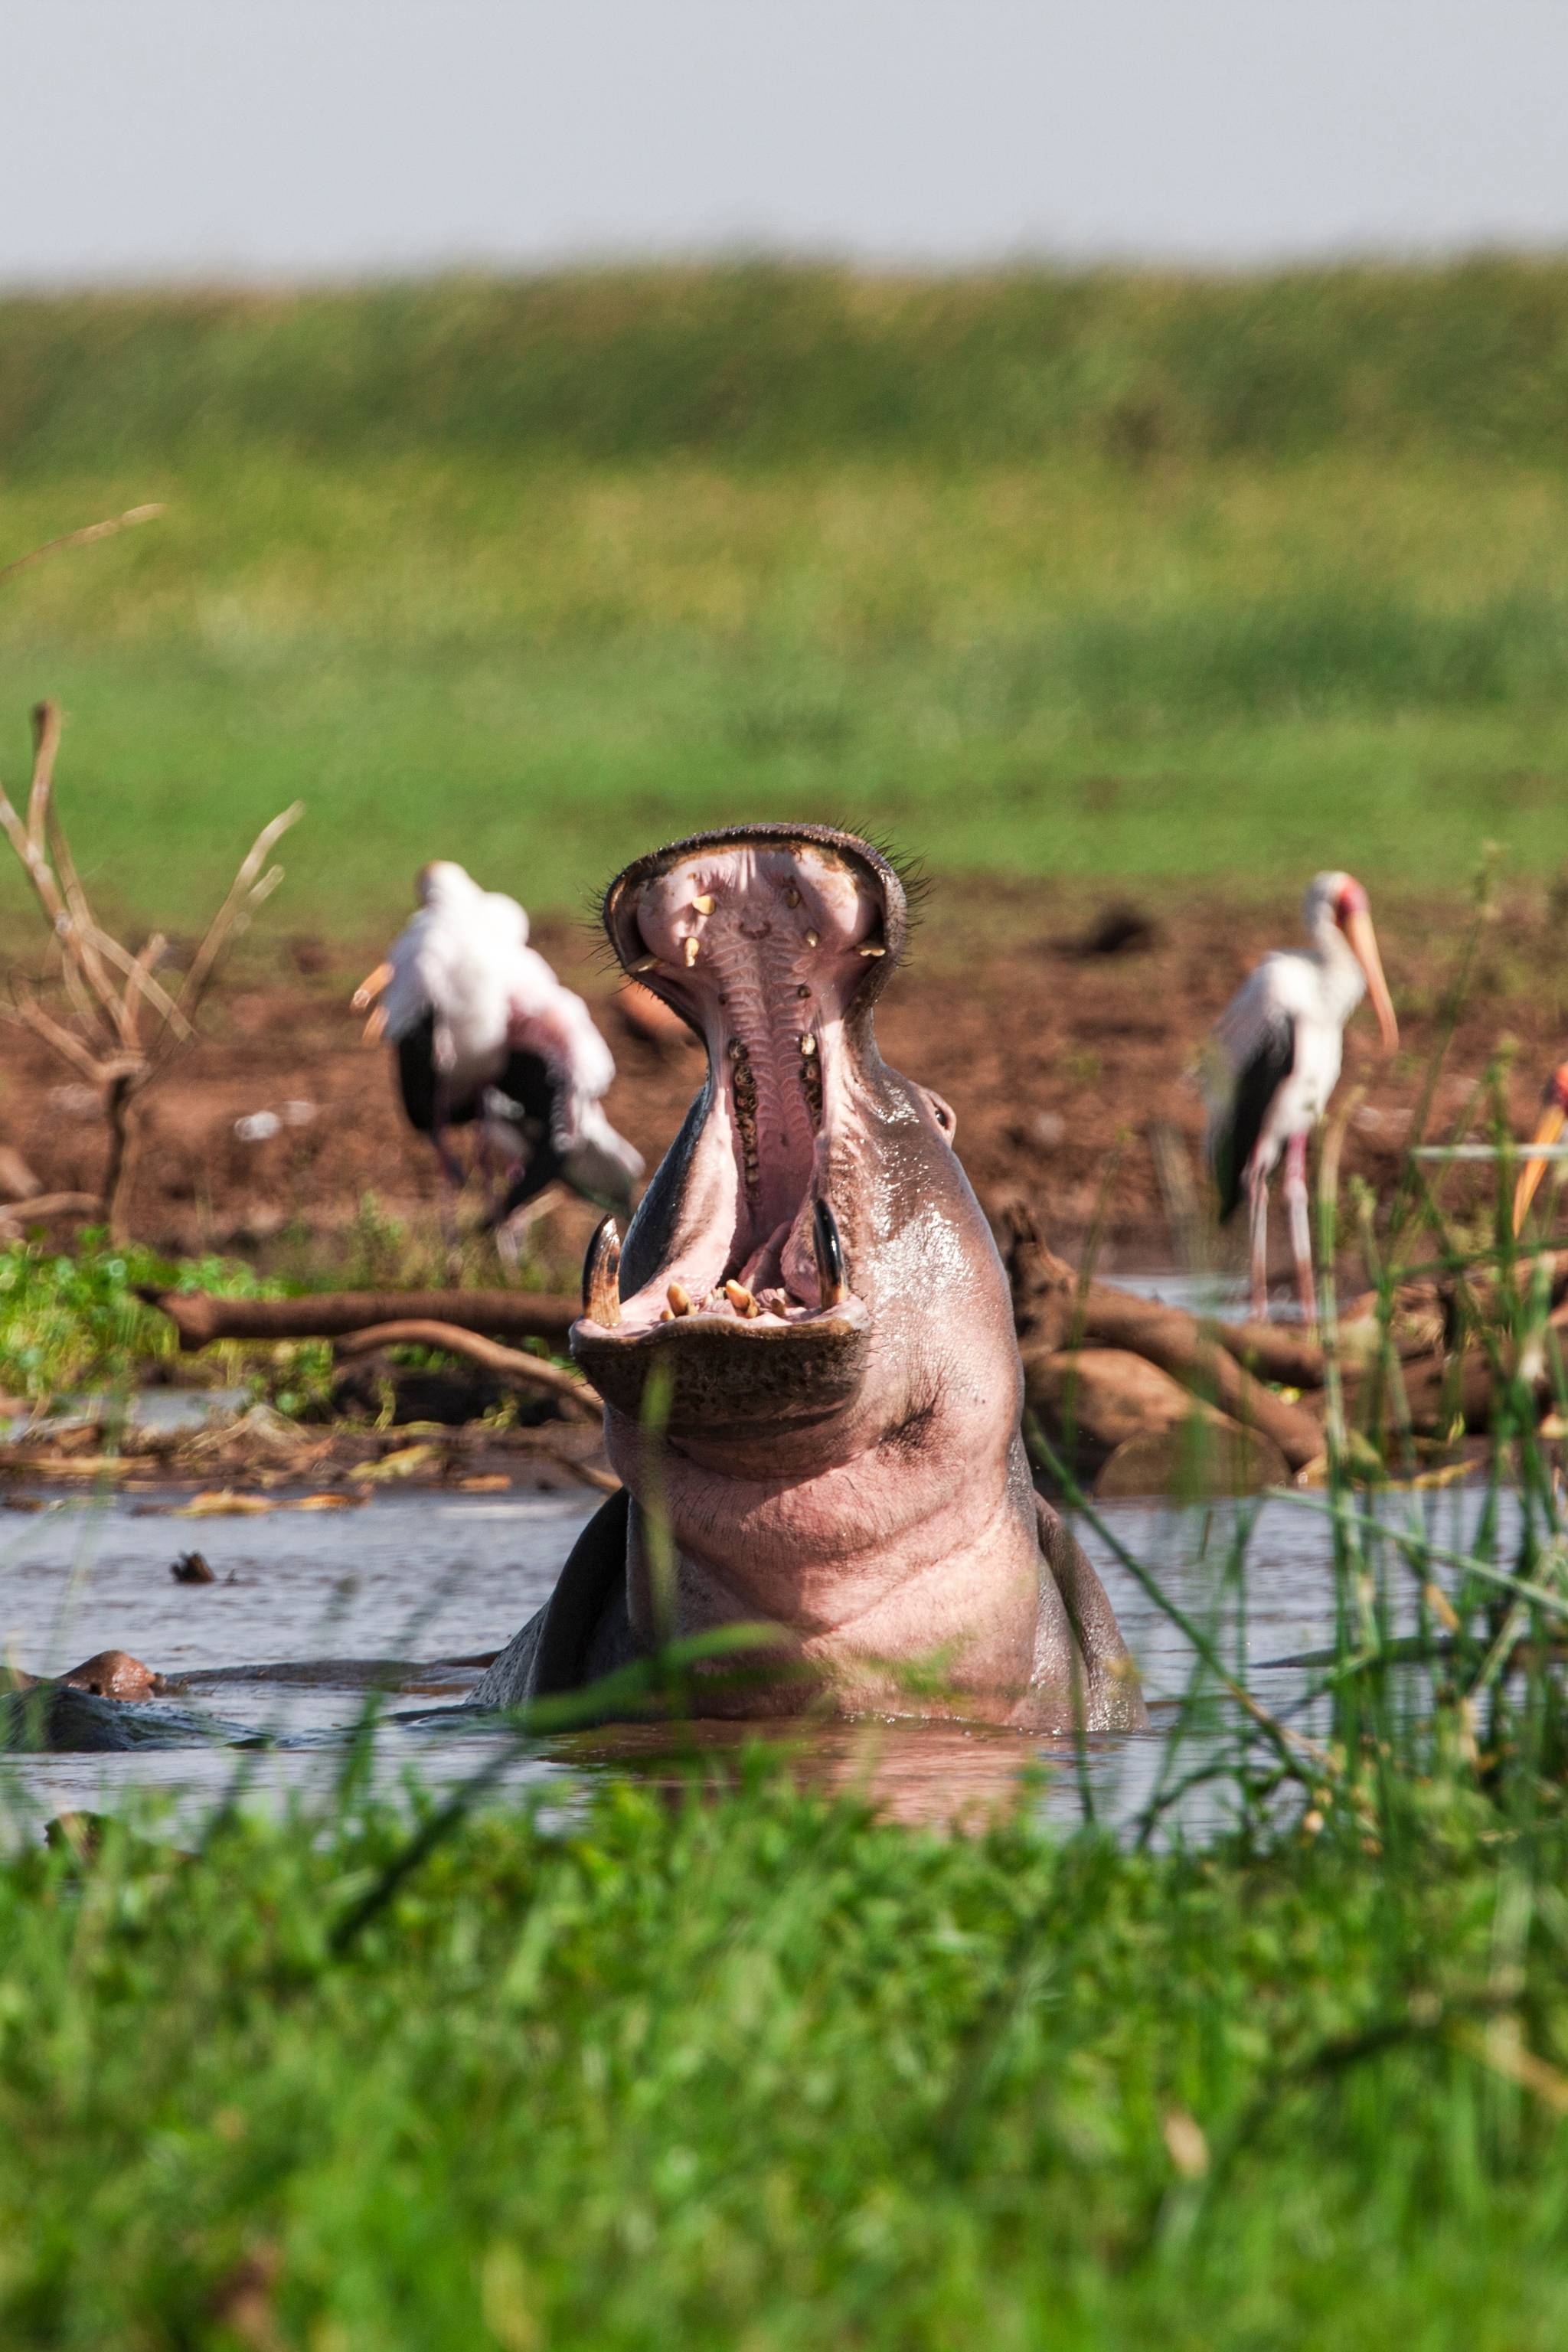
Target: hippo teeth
{"x": 601, "y": 1276}
{"x": 829, "y": 1244}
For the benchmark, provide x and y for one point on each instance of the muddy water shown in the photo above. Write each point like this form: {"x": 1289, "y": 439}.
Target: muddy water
{"x": 430, "y": 1577}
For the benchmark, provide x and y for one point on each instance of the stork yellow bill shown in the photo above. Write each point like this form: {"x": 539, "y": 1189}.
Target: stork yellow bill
{"x": 1354, "y": 919}
{"x": 1549, "y": 1129}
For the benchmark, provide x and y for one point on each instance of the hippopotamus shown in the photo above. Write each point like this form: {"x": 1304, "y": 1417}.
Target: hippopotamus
{"x": 806, "y": 1349}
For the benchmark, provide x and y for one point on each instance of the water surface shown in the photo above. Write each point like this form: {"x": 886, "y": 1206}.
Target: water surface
{"x": 425, "y": 1576}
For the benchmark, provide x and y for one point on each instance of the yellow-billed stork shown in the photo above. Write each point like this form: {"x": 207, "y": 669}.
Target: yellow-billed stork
{"x": 1275, "y": 1060}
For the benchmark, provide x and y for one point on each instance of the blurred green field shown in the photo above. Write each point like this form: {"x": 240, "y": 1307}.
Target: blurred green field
{"x": 1101, "y": 576}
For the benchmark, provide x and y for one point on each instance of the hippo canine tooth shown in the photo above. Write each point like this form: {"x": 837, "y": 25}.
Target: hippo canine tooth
{"x": 829, "y": 1244}
{"x": 601, "y": 1276}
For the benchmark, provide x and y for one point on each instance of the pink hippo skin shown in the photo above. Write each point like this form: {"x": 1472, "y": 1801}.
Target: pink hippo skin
{"x": 841, "y": 1459}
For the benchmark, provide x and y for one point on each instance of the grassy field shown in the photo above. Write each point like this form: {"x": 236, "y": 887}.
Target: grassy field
{"x": 1111, "y": 576}
{"x": 752, "y": 2069}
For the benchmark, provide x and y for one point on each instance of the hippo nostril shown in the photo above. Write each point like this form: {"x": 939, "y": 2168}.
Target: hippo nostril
{"x": 829, "y": 1247}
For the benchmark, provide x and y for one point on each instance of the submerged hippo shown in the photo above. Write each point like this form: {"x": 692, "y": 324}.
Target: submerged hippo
{"x": 832, "y": 1440}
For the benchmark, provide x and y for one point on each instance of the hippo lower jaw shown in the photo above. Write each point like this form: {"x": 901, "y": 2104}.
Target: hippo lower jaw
{"x": 746, "y": 1308}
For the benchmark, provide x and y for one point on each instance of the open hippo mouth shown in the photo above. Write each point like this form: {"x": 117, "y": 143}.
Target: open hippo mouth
{"x": 738, "y": 1275}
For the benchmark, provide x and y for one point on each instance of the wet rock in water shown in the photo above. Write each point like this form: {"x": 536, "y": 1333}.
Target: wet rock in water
{"x": 190, "y": 1568}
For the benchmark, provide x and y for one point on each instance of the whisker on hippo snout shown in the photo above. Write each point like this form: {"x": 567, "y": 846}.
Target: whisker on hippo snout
{"x": 828, "y": 1243}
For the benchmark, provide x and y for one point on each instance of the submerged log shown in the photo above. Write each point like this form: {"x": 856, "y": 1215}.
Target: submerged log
{"x": 200, "y": 1318}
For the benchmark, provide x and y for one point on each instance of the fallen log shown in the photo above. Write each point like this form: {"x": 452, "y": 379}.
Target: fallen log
{"x": 1139, "y": 1431}
{"x": 530, "y": 1371}
{"x": 200, "y": 1318}
{"x": 1054, "y": 1312}
{"x": 43, "y": 1208}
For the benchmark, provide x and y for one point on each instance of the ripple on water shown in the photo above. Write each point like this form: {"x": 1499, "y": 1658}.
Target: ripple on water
{"x": 429, "y": 1576}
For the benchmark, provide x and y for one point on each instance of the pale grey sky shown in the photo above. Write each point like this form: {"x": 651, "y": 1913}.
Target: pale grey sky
{"x": 285, "y": 138}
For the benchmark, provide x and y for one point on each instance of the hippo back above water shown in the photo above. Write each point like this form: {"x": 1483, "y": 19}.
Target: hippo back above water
{"x": 806, "y": 1351}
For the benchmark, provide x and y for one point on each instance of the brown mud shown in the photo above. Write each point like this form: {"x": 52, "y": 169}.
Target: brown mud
{"x": 1060, "y": 1059}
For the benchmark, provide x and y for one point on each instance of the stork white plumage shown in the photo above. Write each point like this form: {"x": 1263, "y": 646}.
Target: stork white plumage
{"x": 486, "y": 1036}
{"x": 1275, "y": 1061}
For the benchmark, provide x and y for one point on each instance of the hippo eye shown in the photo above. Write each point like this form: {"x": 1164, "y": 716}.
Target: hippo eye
{"x": 942, "y": 1112}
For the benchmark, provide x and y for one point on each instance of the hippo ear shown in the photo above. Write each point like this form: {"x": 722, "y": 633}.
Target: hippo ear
{"x": 942, "y": 1112}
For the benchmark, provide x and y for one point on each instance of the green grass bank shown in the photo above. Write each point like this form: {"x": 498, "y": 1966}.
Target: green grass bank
{"x": 752, "y": 2068}
{"x": 1110, "y": 575}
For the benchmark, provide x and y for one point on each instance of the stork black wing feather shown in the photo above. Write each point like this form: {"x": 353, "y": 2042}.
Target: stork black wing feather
{"x": 1257, "y": 1082}
{"x": 416, "y": 1074}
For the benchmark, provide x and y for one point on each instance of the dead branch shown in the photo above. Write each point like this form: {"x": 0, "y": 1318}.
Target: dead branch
{"x": 245, "y": 895}
{"x": 200, "y": 1318}
{"x": 532, "y": 1372}
{"x": 1055, "y": 1310}
{"x": 83, "y": 538}
{"x": 111, "y": 990}
{"x": 43, "y": 1208}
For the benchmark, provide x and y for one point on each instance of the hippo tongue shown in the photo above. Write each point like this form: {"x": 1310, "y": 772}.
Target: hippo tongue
{"x": 761, "y": 942}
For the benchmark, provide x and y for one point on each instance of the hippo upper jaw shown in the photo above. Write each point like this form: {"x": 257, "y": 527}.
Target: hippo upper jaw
{"x": 737, "y": 1287}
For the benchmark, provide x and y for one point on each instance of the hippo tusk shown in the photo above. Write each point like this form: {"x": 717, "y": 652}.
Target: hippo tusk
{"x": 829, "y": 1246}
{"x": 601, "y": 1276}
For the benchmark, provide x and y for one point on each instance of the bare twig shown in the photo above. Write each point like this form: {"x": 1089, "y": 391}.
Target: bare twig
{"x": 110, "y": 989}
{"x": 83, "y": 538}
{"x": 245, "y": 895}
{"x": 511, "y": 1362}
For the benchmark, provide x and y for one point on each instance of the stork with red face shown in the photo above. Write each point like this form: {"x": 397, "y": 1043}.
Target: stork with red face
{"x": 1277, "y": 1047}
{"x": 1549, "y": 1129}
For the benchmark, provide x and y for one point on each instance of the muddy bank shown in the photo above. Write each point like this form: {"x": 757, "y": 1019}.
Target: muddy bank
{"x": 1059, "y": 1025}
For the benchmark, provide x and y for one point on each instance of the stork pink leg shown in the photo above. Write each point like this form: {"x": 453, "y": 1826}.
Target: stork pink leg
{"x": 1258, "y": 1202}
{"x": 1301, "y": 1226}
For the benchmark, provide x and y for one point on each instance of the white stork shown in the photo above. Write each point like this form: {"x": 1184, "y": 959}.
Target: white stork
{"x": 1275, "y": 1061}
{"x": 1554, "y": 1114}
{"x": 485, "y": 1035}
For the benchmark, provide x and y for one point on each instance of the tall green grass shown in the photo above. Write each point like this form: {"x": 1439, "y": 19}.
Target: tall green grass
{"x": 752, "y": 2068}
{"x": 773, "y": 363}
{"x": 1108, "y": 574}
{"x": 744, "y": 2062}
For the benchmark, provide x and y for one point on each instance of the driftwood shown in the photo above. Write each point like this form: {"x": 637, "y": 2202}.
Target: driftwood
{"x": 43, "y": 1208}
{"x": 1138, "y": 1431}
{"x": 531, "y": 1371}
{"x": 1055, "y": 1311}
{"x": 200, "y": 1318}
